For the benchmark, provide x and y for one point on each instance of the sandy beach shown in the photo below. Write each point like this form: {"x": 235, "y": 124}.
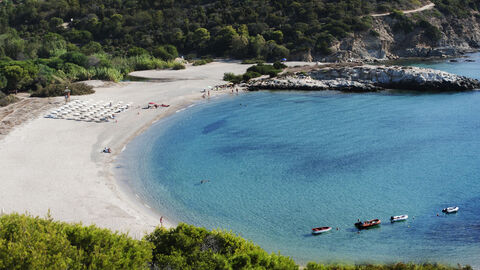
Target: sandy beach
{"x": 56, "y": 165}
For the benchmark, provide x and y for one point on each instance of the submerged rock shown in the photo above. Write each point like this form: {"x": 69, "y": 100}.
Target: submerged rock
{"x": 369, "y": 78}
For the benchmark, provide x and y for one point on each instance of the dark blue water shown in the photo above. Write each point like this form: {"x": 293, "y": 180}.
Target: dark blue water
{"x": 280, "y": 163}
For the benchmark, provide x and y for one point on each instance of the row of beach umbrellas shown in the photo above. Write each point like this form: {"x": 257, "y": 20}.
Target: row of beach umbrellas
{"x": 89, "y": 111}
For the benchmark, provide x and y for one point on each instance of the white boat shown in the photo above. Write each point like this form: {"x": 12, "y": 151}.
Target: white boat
{"x": 398, "y": 218}
{"x": 320, "y": 230}
{"x": 452, "y": 209}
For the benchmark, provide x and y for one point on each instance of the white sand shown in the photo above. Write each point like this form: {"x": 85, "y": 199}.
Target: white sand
{"x": 56, "y": 165}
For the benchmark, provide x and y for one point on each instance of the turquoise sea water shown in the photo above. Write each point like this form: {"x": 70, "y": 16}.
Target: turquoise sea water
{"x": 281, "y": 163}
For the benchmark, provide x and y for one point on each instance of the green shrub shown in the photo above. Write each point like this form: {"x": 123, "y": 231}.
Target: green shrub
{"x": 178, "y": 65}
{"x": 142, "y": 62}
{"x": 189, "y": 247}
{"x": 202, "y": 62}
{"x": 55, "y": 62}
{"x": 230, "y": 77}
{"x": 35, "y": 243}
{"x": 77, "y": 58}
{"x": 250, "y": 75}
{"x": 58, "y": 89}
{"x": 106, "y": 74}
{"x": 91, "y": 48}
{"x": 265, "y": 69}
{"x": 75, "y": 72}
{"x": 7, "y": 99}
{"x": 160, "y": 64}
{"x": 279, "y": 65}
{"x": 18, "y": 75}
{"x": 402, "y": 22}
{"x": 166, "y": 52}
{"x": 253, "y": 61}
{"x": 136, "y": 51}
{"x": 431, "y": 32}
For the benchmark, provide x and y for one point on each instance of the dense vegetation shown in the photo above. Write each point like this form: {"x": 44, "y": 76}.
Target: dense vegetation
{"x": 243, "y": 29}
{"x": 62, "y": 68}
{"x": 60, "y": 41}
{"x": 35, "y": 243}
{"x": 189, "y": 247}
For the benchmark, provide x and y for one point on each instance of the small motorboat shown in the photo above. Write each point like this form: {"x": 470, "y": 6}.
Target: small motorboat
{"x": 320, "y": 230}
{"x": 450, "y": 210}
{"x": 398, "y": 218}
{"x": 368, "y": 224}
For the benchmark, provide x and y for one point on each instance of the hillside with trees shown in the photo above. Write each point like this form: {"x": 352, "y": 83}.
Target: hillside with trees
{"x": 60, "y": 41}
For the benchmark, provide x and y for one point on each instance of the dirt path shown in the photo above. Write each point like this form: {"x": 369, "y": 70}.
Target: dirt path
{"x": 426, "y": 7}
{"x": 20, "y": 112}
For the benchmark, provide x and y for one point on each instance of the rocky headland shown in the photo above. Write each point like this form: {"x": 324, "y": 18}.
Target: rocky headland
{"x": 367, "y": 78}
{"x": 429, "y": 33}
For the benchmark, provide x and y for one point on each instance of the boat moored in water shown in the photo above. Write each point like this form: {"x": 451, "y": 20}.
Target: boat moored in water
{"x": 398, "y": 218}
{"x": 449, "y": 210}
{"x": 368, "y": 224}
{"x": 320, "y": 230}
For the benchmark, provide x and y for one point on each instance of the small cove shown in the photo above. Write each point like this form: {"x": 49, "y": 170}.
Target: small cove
{"x": 280, "y": 163}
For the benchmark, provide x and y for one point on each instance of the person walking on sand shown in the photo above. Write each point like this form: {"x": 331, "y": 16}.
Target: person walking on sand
{"x": 161, "y": 221}
{"x": 236, "y": 90}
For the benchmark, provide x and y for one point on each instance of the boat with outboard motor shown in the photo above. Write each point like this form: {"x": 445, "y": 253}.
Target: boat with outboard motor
{"x": 398, "y": 218}
{"x": 320, "y": 230}
{"x": 368, "y": 224}
{"x": 450, "y": 210}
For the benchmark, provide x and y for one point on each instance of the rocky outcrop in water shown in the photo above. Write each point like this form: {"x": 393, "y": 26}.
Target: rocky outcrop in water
{"x": 369, "y": 78}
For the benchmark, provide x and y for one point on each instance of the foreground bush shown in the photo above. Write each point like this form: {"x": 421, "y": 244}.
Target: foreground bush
{"x": 35, "y": 243}
{"x": 189, "y": 247}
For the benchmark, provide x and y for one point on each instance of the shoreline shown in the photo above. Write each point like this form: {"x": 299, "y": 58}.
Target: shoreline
{"x": 119, "y": 179}
{"x": 57, "y": 165}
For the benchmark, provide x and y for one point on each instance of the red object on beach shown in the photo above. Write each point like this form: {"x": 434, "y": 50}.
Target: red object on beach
{"x": 165, "y": 105}
{"x": 368, "y": 224}
{"x": 152, "y": 103}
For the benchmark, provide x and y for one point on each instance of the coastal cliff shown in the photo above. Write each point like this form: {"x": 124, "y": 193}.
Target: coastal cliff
{"x": 367, "y": 78}
{"x": 428, "y": 33}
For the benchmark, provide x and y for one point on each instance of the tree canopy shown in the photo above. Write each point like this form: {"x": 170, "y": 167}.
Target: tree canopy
{"x": 70, "y": 40}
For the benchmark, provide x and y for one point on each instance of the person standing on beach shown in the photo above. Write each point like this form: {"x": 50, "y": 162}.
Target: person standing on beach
{"x": 161, "y": 221}
{"x": 67, "y": 95}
